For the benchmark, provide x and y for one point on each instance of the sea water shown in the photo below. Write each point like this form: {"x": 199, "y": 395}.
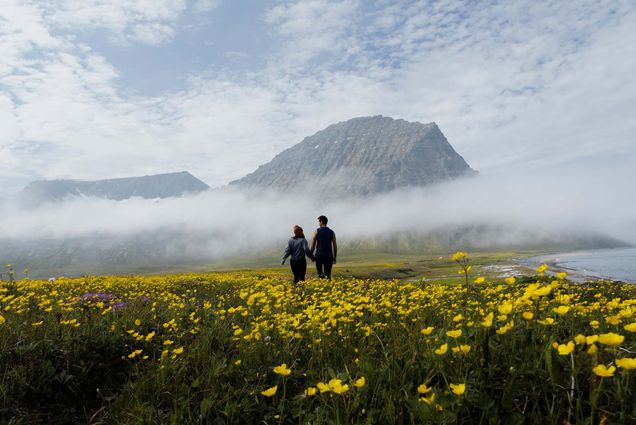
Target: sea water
{"x": 617, "y": 264}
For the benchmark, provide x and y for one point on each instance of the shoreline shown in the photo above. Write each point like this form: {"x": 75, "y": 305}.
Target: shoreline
{"x": 575, "y": 274}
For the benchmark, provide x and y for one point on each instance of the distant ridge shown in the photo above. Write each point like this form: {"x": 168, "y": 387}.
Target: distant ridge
{"x": 362, "y": 156}
{"x": 155, "y": 186}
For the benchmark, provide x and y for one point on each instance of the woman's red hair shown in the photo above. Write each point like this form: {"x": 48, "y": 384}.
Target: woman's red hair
{"x": 298, "y": 231}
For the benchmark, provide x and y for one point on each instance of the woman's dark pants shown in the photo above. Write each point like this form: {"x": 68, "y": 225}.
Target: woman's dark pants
{"x": 299, "y": 269}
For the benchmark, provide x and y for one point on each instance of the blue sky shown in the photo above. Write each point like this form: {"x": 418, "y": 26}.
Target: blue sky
{"x": 109, "y": 88}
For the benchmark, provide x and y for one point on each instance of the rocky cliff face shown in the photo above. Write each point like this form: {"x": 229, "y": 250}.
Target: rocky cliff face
{"x": 362, "y": 156}
{"x": 156, "y": 186}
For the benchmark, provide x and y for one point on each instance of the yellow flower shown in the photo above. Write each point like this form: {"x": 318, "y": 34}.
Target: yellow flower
{"x": 458, "y": 318}
{"x": 423, "y": 389}
{"x": 580, "y": 339}
{"x": 563, "y": 299}
{"x": 562, "y": 309}
{"x": 237, "y": 332}
{"x": 595, "y": 324}
{"x": 270, "y": 391}
{"x": 592, "y": 350}
{"x": 464, "y": 270}
{"x": 462, "y": 349}
{"x": 454, "y": 334}
{"x": 631, "y": 327}
{"x": 611, "y": 339}
{"x": 442, "y": 349}
{"x": 310, "y": 391}
{"x": 427, "y": 331}
{"x": 150, "y": 336}
{"x": 177, "y": 350}
{"x": 561, "y": 275}
{"x": 458, "y": 389}
{"x": 336, "y": 386}
{"x": 238, "y": 362}
{"x": 134, "y": 354}
{"x": 322, "y": 387}
{"x": 589, "y": 340}
{"x": 604, "y": 372}
{"x": 359, "y": 383}
{"x": 428, "y": 400}
{"x": 488, "y": 320}
{"x": 565, "y": 349}
{"x": 480, "y": 280}
{"x": 510, "y": 280}
{"x": 626, "y": 363}
{"x": 505, "y": 308}
{"x": 502, "y": 330}
{"x": 282, "y": 370}
{"x": 542, "y": 268}
{"x": 167, "y": 342}
{"x": 458, "y": 256}
{"x": 547, "y": 322}
{"x": 528, "y": 315}
{"x": 137, "y": 322}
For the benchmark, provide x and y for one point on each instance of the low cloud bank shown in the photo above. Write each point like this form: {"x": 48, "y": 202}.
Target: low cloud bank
{"x": 508, "y": 210}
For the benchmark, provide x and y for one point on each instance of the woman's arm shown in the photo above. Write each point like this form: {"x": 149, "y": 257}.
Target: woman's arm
{"x": 307, "y": 250}
{"x": 287, "y": 252}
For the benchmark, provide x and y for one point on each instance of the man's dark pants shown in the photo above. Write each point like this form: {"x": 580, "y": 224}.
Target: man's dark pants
{"x": 299, "y": 269}
{"x": 325, "y": 263}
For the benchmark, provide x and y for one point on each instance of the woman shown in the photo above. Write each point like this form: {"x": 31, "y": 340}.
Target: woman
{"x": 297, "y": 248}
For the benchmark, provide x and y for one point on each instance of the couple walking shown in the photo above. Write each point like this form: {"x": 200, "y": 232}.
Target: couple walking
{"x": 323, "y": 251}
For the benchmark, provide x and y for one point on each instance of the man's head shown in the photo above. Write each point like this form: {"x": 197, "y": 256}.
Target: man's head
{"x": 322, "y": 220}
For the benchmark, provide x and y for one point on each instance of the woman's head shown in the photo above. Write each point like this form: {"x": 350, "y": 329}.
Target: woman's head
{"x": 298, "y": 231}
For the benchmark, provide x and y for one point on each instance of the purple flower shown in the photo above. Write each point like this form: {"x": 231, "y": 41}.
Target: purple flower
{"x": 118, "y": 305}
{"x": 96, "y": 296}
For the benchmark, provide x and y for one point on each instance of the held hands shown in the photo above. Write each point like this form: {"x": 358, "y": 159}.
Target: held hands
{"x": 282, "y": 263}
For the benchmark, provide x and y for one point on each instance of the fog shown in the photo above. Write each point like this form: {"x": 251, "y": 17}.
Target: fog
{"x": 520, "y": 210}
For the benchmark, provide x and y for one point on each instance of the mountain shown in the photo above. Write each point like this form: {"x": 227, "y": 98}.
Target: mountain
{"x": 362, "y": 156}
{"x": 155, "y": 186}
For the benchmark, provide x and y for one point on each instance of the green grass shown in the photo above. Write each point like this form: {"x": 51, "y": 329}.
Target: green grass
{"x": 209, "y": 344}
{"x": 383, "y": 265}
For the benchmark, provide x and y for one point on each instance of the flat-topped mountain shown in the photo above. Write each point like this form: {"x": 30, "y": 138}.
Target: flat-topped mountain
{"x": 362, "y": 156}
{"x": 155, "y": 186}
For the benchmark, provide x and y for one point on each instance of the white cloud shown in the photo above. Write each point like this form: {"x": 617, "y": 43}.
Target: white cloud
{"x": 203, "y": 6}
{"x": 510, "y": 209}
{"x": 312, "y": 27}
{"x": 147, "y": 21}
{"x": 508, "y": 83}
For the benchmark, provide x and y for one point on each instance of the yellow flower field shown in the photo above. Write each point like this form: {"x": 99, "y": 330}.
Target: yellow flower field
{"x": 250, "y": 348}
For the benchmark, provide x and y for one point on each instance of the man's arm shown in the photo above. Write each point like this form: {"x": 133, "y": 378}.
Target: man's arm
{"x": 335, "y": 248}
{"x": 313, "y": 242}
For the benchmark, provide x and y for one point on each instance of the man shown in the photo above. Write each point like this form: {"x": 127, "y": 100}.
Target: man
{"x": 324, "y": 248}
